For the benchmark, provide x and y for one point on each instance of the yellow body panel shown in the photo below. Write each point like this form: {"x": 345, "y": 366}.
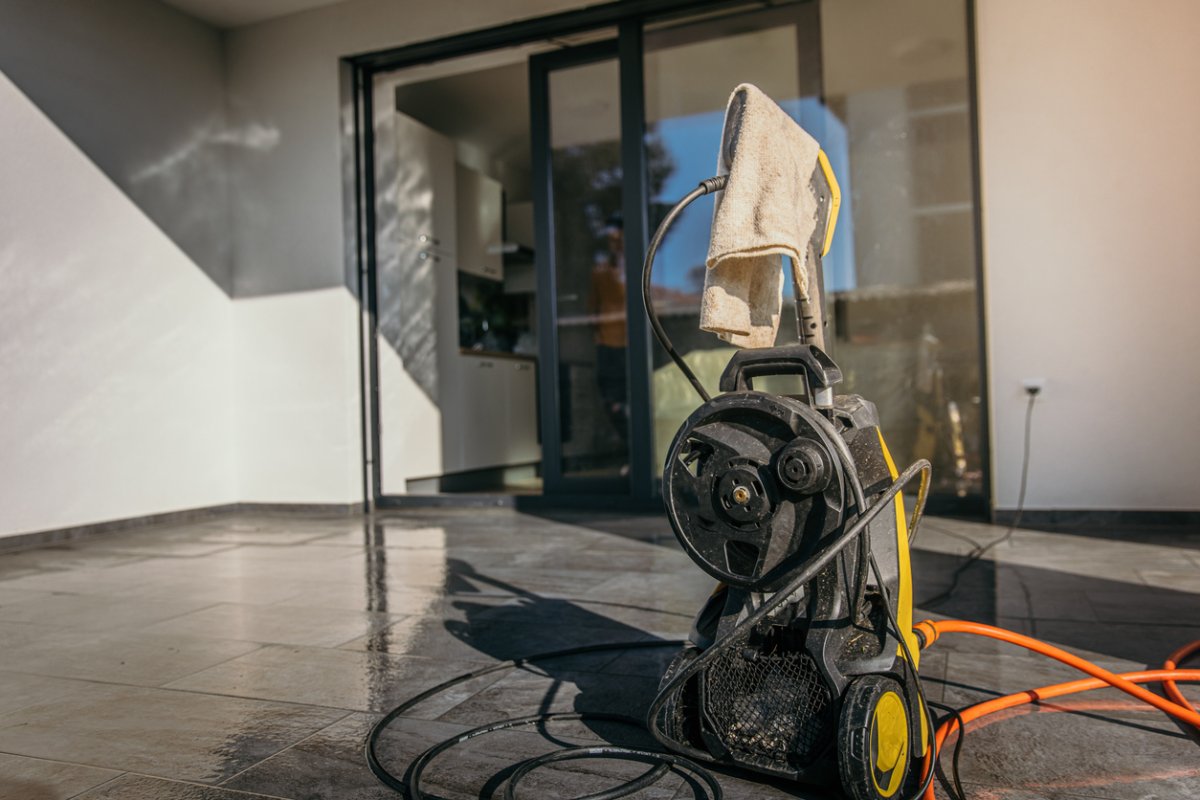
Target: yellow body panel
{"x": 904, "y": 600}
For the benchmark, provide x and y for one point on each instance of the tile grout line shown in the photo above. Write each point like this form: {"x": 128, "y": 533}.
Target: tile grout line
{"x": 100, "y": 785}
{"x": 197, "y": 692}
{"x": 61, "y": 761}
{"x": 260, "y": 646}
{"x": 126, "y": 773}
{"x": 291, "y": 746}
{"x": 197, "y": 784}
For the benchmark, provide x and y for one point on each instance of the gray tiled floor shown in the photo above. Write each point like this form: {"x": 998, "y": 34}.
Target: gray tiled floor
{"x": 247, "y": 656}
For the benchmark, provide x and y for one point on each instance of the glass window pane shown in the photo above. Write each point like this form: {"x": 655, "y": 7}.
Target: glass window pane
{"x": 689, "y": 73}
{"x": 907, "y": 331}
{"x": 589, "y": 265}
{"x": 882, "y": 85}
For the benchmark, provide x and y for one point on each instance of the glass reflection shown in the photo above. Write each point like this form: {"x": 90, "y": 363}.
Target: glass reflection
{"x": 589, "y": 263}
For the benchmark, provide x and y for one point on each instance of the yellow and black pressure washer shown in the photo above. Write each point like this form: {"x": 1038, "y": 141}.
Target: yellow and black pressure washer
{"x": 802, "y": 664}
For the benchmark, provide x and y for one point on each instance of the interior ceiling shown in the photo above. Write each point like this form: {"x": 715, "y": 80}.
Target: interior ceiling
{"x": 235, "y": 13}
{"x": 488, "y": 109}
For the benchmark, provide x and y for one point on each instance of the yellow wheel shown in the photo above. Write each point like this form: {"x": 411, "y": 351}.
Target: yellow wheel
{"x": 873, "y": 742}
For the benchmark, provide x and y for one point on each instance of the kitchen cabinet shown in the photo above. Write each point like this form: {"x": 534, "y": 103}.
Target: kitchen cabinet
{"x": 482, "y": 418}
{"x": 416, "y": 299}
{"x": 480, "y": 202}
{"x": 496, "y": 417}
{"x": 441, "y": 410}
{"x": 522, "y": 446}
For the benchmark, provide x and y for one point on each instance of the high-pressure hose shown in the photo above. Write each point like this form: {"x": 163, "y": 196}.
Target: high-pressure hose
{"x": 707, "y": 186}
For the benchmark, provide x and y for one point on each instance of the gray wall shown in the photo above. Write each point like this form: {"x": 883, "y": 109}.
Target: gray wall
{"x": 140, "y": 88}
{"x": 116, "y": 328}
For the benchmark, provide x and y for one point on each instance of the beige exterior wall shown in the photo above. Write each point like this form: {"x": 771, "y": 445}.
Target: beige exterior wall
{"x": 1091, "y": 192}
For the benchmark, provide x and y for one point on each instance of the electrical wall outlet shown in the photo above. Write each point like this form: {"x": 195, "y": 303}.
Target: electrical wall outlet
{"x": 1033, "y": 385}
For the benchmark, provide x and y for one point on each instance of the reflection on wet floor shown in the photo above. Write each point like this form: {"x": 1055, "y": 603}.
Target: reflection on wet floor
{"x": 248, "y": 655}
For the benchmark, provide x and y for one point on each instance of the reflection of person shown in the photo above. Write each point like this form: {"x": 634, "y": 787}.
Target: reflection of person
{"x": 939, "y": 421}
{"x": 607, "y": 303}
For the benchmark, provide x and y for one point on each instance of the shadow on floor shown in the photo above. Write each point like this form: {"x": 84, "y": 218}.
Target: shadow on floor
{"x": 1130, "y": 621}
{"x": 651, "y": 528}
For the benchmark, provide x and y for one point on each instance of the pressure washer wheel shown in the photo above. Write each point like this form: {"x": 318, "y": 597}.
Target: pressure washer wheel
{"x": 873, "y": 746}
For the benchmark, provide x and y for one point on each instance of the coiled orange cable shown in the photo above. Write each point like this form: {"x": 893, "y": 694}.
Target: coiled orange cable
{"x": 1173, "y": 662}
{"x": 1177, "y": 706}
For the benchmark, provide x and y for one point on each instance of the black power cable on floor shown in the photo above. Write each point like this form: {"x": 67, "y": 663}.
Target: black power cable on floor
{"x": 980, "y": 550}
{"x": 410, "y": 785}
{"x": 955, "y": 776}
{"x": 973, "y": 557}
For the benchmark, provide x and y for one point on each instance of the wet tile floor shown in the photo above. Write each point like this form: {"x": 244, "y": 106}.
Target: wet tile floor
{"x": 247, "y": 656}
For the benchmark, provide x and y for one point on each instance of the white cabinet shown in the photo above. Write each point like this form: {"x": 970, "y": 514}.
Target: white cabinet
{"x": 496, "y": 417}
{"x": 441, "y": 410}
{"x": 480, "y": 202}
{"x": 522, "y": 446}
{"x": 483, "y": 410}
{"x": 416, "y": 299}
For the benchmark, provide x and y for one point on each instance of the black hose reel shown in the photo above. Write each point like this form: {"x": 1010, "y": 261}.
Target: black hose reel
{"x": 752, "y": 482}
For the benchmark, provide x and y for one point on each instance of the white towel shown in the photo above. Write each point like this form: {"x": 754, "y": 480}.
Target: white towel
{"x": 766, "y": 211}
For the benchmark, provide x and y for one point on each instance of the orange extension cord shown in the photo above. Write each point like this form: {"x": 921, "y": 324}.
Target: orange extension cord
{"x": 1177, "y": 706}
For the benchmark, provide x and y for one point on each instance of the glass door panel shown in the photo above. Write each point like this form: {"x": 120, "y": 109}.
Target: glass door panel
{"x": 582, "y": 211}
{"x": 690, "y": 70}
{"x": 907, "y": 328}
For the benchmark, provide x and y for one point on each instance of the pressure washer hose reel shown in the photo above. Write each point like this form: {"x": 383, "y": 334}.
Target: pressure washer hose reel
{"x": 801, "y": 664}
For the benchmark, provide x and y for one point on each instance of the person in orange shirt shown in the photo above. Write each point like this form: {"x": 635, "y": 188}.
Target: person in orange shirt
{"x": 607, "y": 305}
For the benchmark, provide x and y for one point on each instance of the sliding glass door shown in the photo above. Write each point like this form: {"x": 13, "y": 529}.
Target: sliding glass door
{"x": 622, "y": 122}
{"x": 578, "y": 180}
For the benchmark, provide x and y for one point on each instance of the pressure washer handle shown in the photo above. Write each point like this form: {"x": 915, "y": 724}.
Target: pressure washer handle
{"x": 791, "y": 359}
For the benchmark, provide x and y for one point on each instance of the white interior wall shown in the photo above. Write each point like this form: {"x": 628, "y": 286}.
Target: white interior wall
{"x": 1091, "y": 191}
{"x": 290, "y": 234}
{"x": 115, "y": 348}
{"x": 297, "y": 425}
{"x": 115, "y": 325}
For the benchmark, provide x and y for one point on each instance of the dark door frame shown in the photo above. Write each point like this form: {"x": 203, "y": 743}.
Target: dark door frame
{"x": 629, "y": 16}
{"x": 626, "y": 49}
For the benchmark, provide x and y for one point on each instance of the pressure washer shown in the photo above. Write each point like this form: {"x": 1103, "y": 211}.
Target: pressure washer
{"x": 802, "y": 664}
